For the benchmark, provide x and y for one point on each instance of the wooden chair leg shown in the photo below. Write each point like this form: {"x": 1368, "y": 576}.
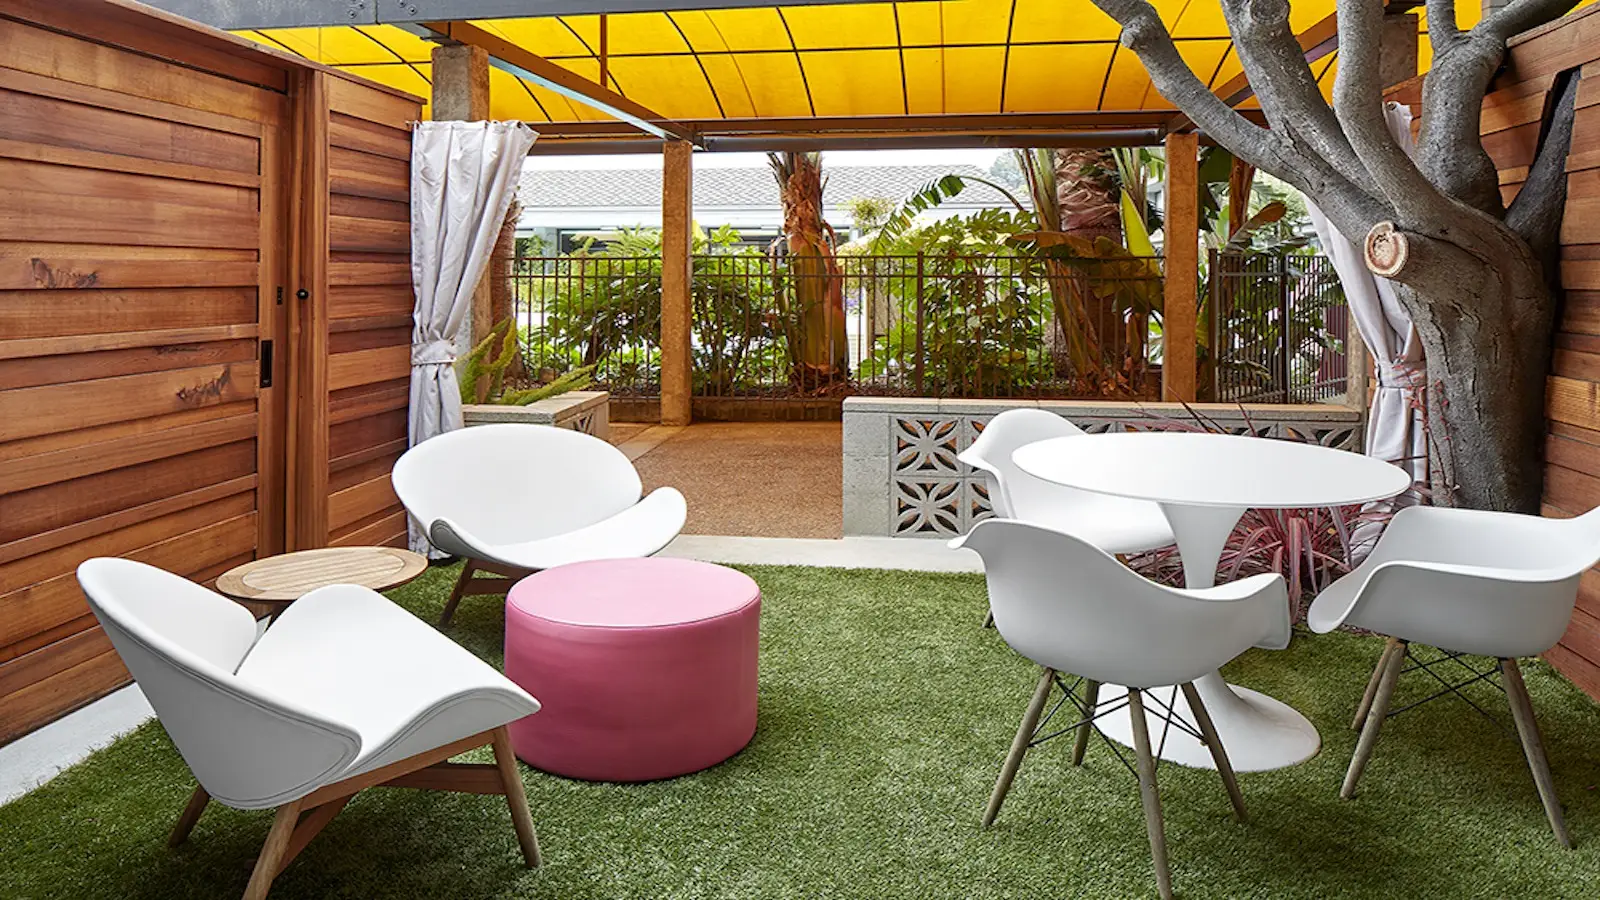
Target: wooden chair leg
{"x": 468, "y": 567}
{"x": 1202, "y": 718}
{"x": 1149, "y": 795}
{"x": 1019, "y": 745}
{"x": 1372, "y": 685}
{"x": 270, "y": 861}
{"x": 516, "y": 797}
{"x": 1080, "y": 741}
{"x": 191, "y": 814}
{"x": 988, "y": 619}
{"x": 1375, "y": 716}
{"x": 1533, "y": 748}
{"x": 312, "y": 821}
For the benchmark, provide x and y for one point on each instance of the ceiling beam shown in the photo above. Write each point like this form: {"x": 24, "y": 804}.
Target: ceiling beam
{"x": 234, "y": 15}
{"x": 910, "y": 125}
{"x": 883, "y": 141}
{"x": 534, "y": 68}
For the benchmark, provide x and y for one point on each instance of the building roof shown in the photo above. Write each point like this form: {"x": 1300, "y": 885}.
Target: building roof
{"x": 939, "y": 57}
{"x": 743, "y": 187}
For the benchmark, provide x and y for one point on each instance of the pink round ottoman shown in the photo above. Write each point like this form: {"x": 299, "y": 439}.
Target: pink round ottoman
{"x": 644, "y": 668}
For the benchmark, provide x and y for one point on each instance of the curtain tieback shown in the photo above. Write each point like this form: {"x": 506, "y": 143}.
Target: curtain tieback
{"x": 433, "y": 353}
{"x": 1401, "y": 375}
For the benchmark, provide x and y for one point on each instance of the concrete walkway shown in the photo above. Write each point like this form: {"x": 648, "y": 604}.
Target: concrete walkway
{"x": 748, "y": 479}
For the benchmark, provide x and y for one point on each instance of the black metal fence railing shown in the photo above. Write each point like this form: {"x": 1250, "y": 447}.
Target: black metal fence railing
{"x": 598, "y": 311}
{"x": 936, "y": 325}
{"x": 1279, "y": 326}
{"x": 1000, "y": 326}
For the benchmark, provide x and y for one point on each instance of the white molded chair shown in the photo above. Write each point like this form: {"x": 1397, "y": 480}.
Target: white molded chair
{"x": 1072, "y": 608}
{"x": 513, "y": 499}
{"x": 1116, "y": 525}
{"x": 345, "y": 691}
{"x": 1468, "y": 582}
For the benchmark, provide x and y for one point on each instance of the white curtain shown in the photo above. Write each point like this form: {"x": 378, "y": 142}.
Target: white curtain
{"x": 463, "y": 178}
{"x": 1394, "y": 421}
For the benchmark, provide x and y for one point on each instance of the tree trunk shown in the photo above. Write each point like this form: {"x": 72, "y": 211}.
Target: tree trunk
{"x": 1087, "y": 193}
{"x": 818, "y": 339}
{"x": 502, "y": 289}
{"x": 1485, "y": 312}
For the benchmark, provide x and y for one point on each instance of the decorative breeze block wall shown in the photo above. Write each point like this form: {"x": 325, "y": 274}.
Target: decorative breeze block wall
{"x": 902, "y": 478}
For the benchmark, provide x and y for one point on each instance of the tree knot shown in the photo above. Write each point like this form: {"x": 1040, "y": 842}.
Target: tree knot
{"x": 1386, "y": 250}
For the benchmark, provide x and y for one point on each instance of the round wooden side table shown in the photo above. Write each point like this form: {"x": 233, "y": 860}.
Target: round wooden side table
{"x": 268, "y": 585}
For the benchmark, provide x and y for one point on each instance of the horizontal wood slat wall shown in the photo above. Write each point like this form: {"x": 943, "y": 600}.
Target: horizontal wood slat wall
{"x": 1511, "y": 121}
{"x": 359, "y": 321}
{"x": 155, "y": 220}
{"x": 138, "y": 253}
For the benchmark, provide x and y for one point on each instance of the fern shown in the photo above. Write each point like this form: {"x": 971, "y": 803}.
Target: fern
{"x": 575, "y": 380}
{"x": 478, "y": 366}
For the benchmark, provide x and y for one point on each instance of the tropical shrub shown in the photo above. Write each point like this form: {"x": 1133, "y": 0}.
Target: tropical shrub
{"x": 603, "y": 310}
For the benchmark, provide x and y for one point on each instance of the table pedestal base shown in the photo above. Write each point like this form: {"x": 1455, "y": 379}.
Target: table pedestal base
{"x": 1258, "y": 732}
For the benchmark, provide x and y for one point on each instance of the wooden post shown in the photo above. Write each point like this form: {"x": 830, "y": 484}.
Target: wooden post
{"x": 461, "y": 93}
{"x": 677, "y": 214}
{"x": 1182, "y": 268}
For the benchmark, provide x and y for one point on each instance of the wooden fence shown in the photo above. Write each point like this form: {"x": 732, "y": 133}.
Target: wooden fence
{"x": 1511, "y": 123}
{"x": 166, "y": 391}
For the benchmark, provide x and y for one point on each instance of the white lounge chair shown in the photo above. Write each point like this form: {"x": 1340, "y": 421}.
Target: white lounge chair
{"x": 345, "y": 691}
{"x": 514, "y": 499}
{"x": 1072, "y": 608}
{"x": 1468, "y": 582}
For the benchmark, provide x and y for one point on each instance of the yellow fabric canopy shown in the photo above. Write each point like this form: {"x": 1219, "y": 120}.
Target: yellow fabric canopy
{"x": 931, "y": 57}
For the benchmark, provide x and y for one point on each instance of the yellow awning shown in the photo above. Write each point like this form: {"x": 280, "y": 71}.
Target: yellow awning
{"x": 871, "y": 59}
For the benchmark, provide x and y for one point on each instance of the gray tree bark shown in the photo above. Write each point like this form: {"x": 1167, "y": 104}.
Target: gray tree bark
{"x": 1478, "y": 279}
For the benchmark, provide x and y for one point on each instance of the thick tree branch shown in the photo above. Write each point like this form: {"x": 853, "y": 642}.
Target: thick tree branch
{"x": 1358, "y": 101}
{"x": 1535, "y": 215}
{"x": 1144, "y": 33}
{"x": 1276, "y": 65}
{"x": 1351, "y": 209}
{"x": 1442, "y": 29}
{"x": 1450, "y": 151}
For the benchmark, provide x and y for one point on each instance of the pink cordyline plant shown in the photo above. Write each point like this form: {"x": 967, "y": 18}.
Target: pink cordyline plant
{"x": 1310, "y": 548}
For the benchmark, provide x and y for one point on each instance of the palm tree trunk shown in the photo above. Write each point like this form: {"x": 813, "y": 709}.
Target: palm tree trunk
{"x": 818, "y": 349}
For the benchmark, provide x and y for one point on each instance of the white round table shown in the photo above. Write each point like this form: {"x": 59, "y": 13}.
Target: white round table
{"x": 1203, "y": 483}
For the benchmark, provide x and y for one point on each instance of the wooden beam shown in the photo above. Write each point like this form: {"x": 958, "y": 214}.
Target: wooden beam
{"x": 677, "y": 216}
{"x": 530, "y": 66}
{"x": 1181, "y": 246}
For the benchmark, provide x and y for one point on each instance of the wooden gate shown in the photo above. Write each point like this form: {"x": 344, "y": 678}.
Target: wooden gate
{"x": 160, "y": 209}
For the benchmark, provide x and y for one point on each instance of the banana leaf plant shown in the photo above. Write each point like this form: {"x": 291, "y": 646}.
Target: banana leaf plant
{"x": 1080, "y": 271}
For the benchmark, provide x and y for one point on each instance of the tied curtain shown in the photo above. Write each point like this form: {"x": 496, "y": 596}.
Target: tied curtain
{"x": 464, "y": 176}
{"x": 1394, "y": 420}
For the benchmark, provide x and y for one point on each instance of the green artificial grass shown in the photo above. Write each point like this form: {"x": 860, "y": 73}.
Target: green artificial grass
{"x": 885, "y": 714}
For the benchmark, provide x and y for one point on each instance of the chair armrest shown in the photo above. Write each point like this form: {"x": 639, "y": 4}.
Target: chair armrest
{"x": 640, "y": 530}
{"x": 968, "y": 458}
{"x": 1471, "y": 609}
{"x": 1267, "y": 594}
{"x": 354, "y": 656}
{"x": 1243, "y": 589}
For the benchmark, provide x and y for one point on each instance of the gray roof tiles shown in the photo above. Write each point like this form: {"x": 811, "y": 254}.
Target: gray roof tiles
{"x": 741, "y": 187}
